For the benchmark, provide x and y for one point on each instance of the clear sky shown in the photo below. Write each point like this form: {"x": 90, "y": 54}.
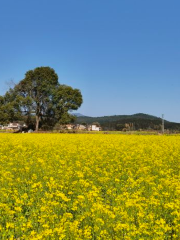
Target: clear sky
{"x": 124, "y": 55}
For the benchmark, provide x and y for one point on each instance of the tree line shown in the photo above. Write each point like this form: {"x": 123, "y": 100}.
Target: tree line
{"x": 40, "y": 100}
{"x": 138, "y": 121}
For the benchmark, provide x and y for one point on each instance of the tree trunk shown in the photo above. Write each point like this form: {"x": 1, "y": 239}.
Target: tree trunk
{"x": 37, "y": 123}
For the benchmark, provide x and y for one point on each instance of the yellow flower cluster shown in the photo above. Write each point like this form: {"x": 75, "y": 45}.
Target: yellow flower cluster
{"x": 86, "y": 186}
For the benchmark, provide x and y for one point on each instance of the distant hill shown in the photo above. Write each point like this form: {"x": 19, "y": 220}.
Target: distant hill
{"x": 126, "y": 122}
{"x": 78, "y": 114}
{"x": 113, "y": 118}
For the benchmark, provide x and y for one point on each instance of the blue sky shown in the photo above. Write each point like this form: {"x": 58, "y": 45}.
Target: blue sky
{"x": 124, "y": 55}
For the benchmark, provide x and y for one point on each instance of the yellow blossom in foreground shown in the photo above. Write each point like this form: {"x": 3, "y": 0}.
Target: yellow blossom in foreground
{"x": 87, "y": 186}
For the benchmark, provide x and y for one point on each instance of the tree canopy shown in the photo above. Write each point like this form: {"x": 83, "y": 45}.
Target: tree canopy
{"x": 41, "y": 98}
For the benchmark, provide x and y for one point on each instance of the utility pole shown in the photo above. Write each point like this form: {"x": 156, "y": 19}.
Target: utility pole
{"x": 162, "y": 123}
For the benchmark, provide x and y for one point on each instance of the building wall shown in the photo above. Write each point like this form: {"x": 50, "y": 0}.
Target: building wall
{"x": 95, "y": 128}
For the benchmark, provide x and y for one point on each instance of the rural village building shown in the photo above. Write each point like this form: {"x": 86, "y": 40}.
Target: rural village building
{"x": 92, "y": 127}
{"x": 15, "y": 126}
{"x": 69, "y": 126}
{"x": 95, "y": 128}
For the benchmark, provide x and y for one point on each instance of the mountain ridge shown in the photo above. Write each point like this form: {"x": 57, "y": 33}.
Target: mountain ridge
{"x": 115, "y": 117}
{"x": 138, "y": 121}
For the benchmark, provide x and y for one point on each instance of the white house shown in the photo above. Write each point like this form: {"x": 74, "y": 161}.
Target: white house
{"x": 80, "y": 127}
{"x": 15, "y": 126}
{"x": 95, "y": 128}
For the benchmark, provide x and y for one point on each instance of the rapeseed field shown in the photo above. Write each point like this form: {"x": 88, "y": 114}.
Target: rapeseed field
{"x": 86, "y": 186}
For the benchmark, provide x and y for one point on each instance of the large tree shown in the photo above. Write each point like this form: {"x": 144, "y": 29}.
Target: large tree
{"x": 40, "y": 95}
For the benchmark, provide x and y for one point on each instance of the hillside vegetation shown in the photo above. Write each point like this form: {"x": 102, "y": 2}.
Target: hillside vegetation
{"x": 129, "y": 122}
